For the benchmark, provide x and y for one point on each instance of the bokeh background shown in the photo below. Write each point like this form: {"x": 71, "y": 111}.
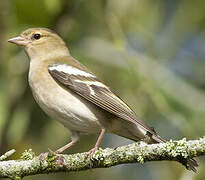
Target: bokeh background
{"x": 150, "y": 52}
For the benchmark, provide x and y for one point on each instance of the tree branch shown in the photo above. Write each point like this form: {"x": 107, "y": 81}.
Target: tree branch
{"x": 29, "y": 164}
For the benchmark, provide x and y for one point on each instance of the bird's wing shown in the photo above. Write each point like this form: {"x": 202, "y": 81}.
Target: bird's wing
{"x": 89, "y": 87}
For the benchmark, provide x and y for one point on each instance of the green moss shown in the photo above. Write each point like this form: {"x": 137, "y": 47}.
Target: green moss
{"x": 179, "y": 148}
{"x": 140, "y": 158}
{"x": 28, "y": 155}
{"x": 17, "y": 178}
{"x": 51, "y": 160}
{"x": 140, "y": 153}
{"x": 98, "y": 155}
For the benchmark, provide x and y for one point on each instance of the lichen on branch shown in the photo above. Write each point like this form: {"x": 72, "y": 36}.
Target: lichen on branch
{"x": 139, "y": 152}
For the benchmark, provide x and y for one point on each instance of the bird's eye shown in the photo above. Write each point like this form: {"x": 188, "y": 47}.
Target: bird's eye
{"x": 37, "y": 36}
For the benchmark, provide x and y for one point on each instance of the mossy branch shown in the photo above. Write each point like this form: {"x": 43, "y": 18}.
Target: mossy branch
{"x": 29, "y": 164}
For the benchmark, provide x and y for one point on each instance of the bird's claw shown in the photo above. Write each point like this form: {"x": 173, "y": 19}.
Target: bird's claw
{"x": 90, "y": 155}
{"x": 51, "y": 152}
{"x": 44, "y": 155}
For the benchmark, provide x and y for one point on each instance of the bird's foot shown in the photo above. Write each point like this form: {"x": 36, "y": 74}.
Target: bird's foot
{"x": 44, "y": 155}
{"x": 51, "y": 152}
{"x": 59, "y": 159}
{"x": 91, "y": 153}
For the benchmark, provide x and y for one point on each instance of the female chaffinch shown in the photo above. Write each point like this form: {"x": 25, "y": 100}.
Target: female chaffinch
{"x": 69, "y": 92}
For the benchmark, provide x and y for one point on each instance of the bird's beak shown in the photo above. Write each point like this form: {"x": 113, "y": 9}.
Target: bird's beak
{"x": 19, "y": 41}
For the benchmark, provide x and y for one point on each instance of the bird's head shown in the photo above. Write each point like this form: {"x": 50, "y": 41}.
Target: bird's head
{"x": 40, "y": 41}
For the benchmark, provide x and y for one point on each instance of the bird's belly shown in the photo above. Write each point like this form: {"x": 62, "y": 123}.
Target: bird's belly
{"x": 67, "y": 107}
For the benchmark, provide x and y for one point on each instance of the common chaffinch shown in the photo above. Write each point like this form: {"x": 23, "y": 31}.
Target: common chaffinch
{"x": 68, "y": 92}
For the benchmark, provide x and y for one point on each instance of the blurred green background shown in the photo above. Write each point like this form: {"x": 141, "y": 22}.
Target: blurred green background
{"x": 150, "y": 52}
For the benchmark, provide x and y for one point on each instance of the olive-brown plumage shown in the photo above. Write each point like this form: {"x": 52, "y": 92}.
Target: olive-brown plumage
{"x": 68, "y": 92}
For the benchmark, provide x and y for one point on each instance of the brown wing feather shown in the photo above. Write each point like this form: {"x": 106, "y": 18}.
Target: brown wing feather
{"x": 102, "y": 96}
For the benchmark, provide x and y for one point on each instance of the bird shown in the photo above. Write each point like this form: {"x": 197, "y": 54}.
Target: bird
{"x": 69, "y": 92}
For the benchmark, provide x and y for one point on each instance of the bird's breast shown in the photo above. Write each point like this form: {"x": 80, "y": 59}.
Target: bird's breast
{"x": 64, "y": 105}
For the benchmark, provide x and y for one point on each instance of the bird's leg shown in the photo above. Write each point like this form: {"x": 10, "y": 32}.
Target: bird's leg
{"x": 60, "y": 159}
{"x": 92, "y": 151}
{"x": 74, "y": 140}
